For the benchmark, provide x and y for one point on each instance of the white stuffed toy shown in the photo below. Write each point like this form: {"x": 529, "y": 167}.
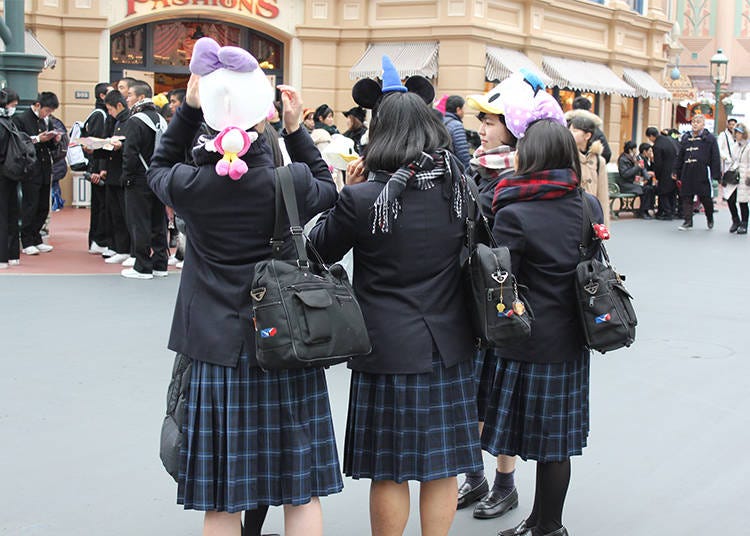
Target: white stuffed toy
{"x": 235, "y": 96}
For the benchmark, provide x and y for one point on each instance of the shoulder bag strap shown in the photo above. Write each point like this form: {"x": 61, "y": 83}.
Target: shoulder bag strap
{"x": 285, "y": 191}
{"x": 729, "y": 145}
{"x": 587, "y": 231}
{"x": 474, "y": 214}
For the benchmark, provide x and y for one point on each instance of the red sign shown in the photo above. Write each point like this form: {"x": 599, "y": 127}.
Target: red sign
{"x": 261, "y": 8}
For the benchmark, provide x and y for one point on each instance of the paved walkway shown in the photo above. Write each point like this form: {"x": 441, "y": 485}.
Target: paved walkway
{"x": 85, "y": 369}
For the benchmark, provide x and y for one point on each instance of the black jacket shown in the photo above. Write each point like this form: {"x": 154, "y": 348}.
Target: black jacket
{"x": 229, "y": 227}
{"x": 113, "y": 159}
{"x": 356, "y": 136}
{"x": 97, "y": 124}
{"x": 628, "y": 171}
{"x": 664, "y": 157}
{"x": 32, "y": 125}
{"x": 543, "y": 238}
{"x": 408, "y": 282}
{"x": 139, "y": 141}
{"x": 697, "y": 163}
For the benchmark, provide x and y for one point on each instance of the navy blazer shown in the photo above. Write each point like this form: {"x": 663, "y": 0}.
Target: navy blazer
{"x": 543, "y": 238}
{"x": 408, "y": 282}
{"x": 229, "y": 228}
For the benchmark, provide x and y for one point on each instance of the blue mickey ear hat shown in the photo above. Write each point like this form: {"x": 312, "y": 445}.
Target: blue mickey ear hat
{"x": 368, "y": 92}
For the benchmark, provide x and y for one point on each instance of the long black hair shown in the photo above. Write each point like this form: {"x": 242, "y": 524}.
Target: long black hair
{"x": 547, "y": 145}
{"x": 402, "y": 128}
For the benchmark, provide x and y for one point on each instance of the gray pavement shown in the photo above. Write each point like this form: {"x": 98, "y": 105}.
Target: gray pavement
{"x": 84, "y": 371}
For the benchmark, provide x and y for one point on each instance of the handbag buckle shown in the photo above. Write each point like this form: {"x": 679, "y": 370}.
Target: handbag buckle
{"x": 296, "y": 230}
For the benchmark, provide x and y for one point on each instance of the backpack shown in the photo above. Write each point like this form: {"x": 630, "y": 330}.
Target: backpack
{"x": 604, "y": 305}
{"x": 75, "y": 157}
{"x": 20, "y": 155}
{"x": 158, "y": 130}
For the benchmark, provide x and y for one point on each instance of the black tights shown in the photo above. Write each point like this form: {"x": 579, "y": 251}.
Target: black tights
{"x": 552, "y": 481}
{"x": 254, "y": 521}
{"x": 732, "y": 203}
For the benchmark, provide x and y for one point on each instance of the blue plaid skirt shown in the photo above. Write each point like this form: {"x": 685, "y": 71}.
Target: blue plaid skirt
{"x": 413, "y": 426}
{"x": 485, "y": 364}
{"x": 256, "y": 438}
{"x": 538, "y": 411}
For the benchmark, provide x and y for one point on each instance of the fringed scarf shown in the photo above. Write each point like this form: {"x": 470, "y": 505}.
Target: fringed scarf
{"x": 443, "y": 168}
{"x": 548, "y": 184}
{"x": 492, "y": 163}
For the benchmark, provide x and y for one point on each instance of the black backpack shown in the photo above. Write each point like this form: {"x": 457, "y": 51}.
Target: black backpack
{"x": 20, "y": 154}
{"x": 605, "y": 307}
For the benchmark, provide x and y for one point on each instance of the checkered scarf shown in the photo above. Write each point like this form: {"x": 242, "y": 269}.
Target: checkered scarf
{"x": 444, "y": 169}
{"x": 548, "y": 184}
{"x": 492, "y": 163}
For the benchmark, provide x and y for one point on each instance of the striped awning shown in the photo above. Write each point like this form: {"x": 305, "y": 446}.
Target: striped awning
{"x": 645, "y": 85}
{"x": 502, "y": 62}
{"x": 409, "y": 59}
{"x": 585, "y": 76}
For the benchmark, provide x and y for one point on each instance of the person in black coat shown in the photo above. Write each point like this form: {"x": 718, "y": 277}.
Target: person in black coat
{"x": 697, "y": 163}
{"x": 36, "y": 188}
{"x": 273, "y": 428}
{"x": 96, "y": 125}
{"x": 632, "y": 178}
{"x": 664, "y": 157}
{"x": 412, "y": 406}
{"x": 146, "y": 216}
{"x": 9, "y": 241}
{"x": 538, "y": 408}
{"x": 111, "y": 174}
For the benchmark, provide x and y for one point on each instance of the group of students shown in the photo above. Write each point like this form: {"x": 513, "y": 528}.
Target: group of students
{"x": 128, "y": 223}
{"x": 423, "y": 404}
{"x": 25, "y": 201}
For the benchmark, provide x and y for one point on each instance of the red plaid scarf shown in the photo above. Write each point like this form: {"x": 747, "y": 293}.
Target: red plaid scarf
{"x": 548, "y": 184}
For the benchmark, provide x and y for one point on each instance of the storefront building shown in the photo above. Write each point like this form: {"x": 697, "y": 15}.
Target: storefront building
{"x": 613, "y": 51}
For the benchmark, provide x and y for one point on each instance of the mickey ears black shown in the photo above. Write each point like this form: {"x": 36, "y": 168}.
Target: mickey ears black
{"x": 368, "y": 92}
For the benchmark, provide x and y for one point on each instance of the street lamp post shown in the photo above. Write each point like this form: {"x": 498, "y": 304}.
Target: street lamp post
{"x": 719, "y": 63}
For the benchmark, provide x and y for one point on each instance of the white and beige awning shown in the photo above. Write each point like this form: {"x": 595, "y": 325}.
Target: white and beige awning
{"x": 32, "y": 45}
{"x": 585, "y": 76}
{"x": 502, "y": 62}
{"x": 419, "y": 58}
{"x": 645, "y": 85}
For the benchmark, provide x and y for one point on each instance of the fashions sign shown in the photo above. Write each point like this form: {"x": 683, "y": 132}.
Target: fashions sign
{"x": 267, "y": 9}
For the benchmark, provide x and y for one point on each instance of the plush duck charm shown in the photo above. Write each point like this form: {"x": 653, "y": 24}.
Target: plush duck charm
{"x": 235, "y": 96}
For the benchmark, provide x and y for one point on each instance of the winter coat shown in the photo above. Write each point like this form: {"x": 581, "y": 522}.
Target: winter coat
{"x": 113, "y": 159}
{"x": 697, "y": 163}
{"x": 594, "y": 179}
{"x": 742, "y": 157}
{"x": 458, "y": 135}
{"x": 29, "y": 122}
{"x": 727, "y": 149}
{"x": 629, "y": 170}
{"x": 139, "y": 142}
{"x": 664, "y": 156}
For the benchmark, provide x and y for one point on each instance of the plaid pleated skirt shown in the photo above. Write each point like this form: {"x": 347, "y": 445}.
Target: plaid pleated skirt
{"x": 538, "y": 411}
{"x": 485, "y": 364}
{"x": 256, "y": 438}
{"x": 413, "y": 426}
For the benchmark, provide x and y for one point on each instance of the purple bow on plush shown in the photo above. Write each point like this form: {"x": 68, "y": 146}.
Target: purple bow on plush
{"x": 208, "y": 57}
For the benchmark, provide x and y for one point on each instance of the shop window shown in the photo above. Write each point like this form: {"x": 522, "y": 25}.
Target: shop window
{"x": 128, "y": 46}
{"x": 267, "y": 52}
{"x": 174, "y": 41}
{"x": 566, "y": 97}
{"x": 636, "y": 5}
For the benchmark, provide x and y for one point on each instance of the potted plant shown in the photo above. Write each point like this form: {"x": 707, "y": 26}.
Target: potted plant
{"x": 728, "y": 105}
{"x": 705, "y": 106}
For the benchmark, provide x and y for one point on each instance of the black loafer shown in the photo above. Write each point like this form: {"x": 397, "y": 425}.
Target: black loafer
{"x": 493, "y": 505}
{"x": 522, "y": 529}
{"x": 559, "y": 532}
{"x": 468, "y": 495}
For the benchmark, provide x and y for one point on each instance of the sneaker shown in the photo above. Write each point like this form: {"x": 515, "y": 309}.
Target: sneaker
{"x": 117, "y": 258}
{"x": 160, "y": 273}
{"x": 172, "y": 261}
{"x": 685, "y": 226}
{"x": 107, "y": 253}
{"x": 44, "y": 248}
{"x": 3, "y": 265}
{"x": 14, "y": 262}
{"x": 131, "y": 273}
{"x": 179, "y": 265}
{"x": 96, "y": 249}
{"x": 129, "y": 262}
{"x": 31, "y": 250}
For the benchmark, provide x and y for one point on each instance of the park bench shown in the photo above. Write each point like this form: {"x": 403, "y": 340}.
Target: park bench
{"x": 625, "y": 202}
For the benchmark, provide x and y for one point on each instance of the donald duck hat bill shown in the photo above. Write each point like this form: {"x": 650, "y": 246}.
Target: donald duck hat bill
{"x": 522, "y": 100}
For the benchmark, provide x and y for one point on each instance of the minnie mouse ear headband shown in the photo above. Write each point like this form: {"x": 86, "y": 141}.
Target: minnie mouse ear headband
{"x": 234, "y": 89}
{"x": 522, "y": 100}
{"x": 368, "y": 92}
